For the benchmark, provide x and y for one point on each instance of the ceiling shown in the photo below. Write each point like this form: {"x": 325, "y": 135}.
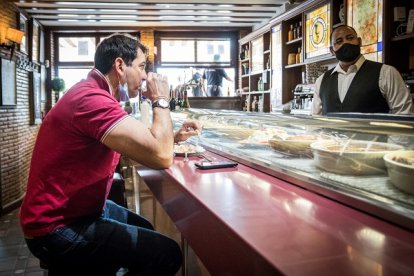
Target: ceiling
{"x": 153, "y": 13}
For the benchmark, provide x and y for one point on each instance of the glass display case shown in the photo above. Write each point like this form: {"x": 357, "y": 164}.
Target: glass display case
{"x": 361, "y": 162}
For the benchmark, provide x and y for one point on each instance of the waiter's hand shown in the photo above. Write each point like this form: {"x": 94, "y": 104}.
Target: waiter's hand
{"x": 188, "y": 129}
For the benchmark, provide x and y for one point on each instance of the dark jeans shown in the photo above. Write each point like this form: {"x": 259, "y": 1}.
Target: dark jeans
{"x": 102, "y": 245}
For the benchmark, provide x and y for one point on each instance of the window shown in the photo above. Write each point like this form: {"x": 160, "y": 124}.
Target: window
{"x": 181, "y": 54}
{"x": 74, "y": 49}
{"x": 192, "y": 51}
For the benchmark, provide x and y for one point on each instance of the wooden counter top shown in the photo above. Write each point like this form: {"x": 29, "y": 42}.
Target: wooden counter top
{"x": 243, "y": 222}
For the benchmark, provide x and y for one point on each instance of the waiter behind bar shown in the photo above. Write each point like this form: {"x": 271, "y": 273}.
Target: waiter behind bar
{"x": 357, "y": 84}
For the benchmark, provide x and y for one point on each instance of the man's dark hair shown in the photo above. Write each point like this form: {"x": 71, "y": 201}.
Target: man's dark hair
{"x": 117, "y": 45}
{"x": 341, "y": 26}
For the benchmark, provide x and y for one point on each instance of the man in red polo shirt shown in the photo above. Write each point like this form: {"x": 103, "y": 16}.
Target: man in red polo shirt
{"x": 66, "y": 217}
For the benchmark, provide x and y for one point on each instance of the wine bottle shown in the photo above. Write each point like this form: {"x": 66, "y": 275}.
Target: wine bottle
{"x": 172, "y": 99}
{"x": 290, "y": 33}
{"x": 185, "y": 104}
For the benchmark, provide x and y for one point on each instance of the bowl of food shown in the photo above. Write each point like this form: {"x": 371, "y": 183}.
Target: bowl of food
{"x": 294, "y": 144}
{"x": 352, "y": 157}
{"x": 400, "y": 167}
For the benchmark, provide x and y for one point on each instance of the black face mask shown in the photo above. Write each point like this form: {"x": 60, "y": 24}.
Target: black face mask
{"x": 348, "y": 52}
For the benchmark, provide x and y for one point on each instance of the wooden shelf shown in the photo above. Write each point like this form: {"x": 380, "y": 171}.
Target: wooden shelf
{"x": 295, "y": 65}
{"x": 256, "y": 92}
{"x": 403, "y": 37}
{"x": 296, "y": 40}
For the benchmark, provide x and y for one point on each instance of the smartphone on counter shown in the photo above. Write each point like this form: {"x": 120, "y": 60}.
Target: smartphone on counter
{"x": 207, "y": 165}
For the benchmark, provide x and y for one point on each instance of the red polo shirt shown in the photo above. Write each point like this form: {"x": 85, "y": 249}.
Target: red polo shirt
{"x": 71, "y": 170}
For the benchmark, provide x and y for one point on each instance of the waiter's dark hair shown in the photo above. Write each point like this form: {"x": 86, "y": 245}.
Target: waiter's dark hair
{"x": 341, "y": 26}
{"x": 117, "y": 45}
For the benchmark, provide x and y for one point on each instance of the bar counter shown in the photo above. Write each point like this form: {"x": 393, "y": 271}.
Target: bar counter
{"x": 240, "y": 221}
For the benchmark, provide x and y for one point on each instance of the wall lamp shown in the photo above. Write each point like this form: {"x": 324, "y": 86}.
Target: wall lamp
{"x": 15, "y": 36}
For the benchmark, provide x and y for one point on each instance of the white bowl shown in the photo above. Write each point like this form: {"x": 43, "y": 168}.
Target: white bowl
{"x": 352, "y": 157}
{"x": 400, "y": 171}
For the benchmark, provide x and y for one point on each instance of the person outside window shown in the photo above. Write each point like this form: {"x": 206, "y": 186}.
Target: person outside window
{"x": 66, "y": 218}
{"x": 357, "y": 84}
{"x": 214, "y": 77}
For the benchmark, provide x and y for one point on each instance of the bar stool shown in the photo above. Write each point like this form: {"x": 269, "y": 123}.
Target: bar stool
{"x": 117, "y": 193}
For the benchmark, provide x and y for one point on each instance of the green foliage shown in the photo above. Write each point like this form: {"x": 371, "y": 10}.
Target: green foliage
{"x": 58, "y": 84}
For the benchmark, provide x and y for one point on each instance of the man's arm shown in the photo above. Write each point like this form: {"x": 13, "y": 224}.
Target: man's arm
{"x": 393, "y": 88}
{"x": 316, "y": 102}
{"x": 151, "y": 147}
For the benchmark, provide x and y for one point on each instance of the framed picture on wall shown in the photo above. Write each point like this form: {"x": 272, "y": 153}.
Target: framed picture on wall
{"x": 35, "y": 98}
{"x": 35, "y": 41}
{"x": 8, "y": 83}
{"x": 23, "y": 26}
{"x": 366, "y": 16}
{"x": 317, "y": 30}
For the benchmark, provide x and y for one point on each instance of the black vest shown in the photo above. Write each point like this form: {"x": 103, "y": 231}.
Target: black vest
{"x": 363, "y": 94}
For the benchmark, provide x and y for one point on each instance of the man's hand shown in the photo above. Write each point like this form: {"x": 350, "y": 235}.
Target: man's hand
{"x": 188, "y": 129}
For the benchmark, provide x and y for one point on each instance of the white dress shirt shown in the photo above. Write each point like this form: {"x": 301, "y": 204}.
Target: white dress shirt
{"x": 390, "y": 83}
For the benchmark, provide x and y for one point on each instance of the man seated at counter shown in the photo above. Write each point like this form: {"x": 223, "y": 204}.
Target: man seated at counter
{"x": 67, "y": 220}
{"x": 357, "y": 84}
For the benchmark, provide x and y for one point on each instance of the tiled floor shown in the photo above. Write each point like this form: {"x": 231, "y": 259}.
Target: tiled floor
{"x": 15, "y": 258}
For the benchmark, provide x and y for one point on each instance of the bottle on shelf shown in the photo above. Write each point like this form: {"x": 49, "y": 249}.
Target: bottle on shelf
{"x": 295, "y": 31}
{"x": 179, "y": 100}
{"x": 254, "y": 103}
{"x": 185, "y": 104}
{"x": 290, "y": 33}
{"x": 260, "y": 104}
{"x": 228, "y": 91}
{"x": 298, "y": 57}
{"x": 299, "y": 30}
{"x": 172, "y": 99}
{"x": 260, "y": 84}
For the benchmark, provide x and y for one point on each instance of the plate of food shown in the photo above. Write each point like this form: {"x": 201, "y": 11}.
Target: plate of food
{"x": 181, "y": 149}
{"x": 352, "y": 157}
{"x": 294, "y": 144}
{"x": 400, "y": 167}
{"x": 262, "y": 137}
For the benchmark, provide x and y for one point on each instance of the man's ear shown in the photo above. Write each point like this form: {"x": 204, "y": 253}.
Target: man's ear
{"x": 119, "y": 65}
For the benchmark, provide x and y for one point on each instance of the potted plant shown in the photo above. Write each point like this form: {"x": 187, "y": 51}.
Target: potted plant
{"x": 58, "y": 85}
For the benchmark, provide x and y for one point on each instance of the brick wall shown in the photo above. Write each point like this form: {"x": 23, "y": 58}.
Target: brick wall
{"x": 17, "y": 136}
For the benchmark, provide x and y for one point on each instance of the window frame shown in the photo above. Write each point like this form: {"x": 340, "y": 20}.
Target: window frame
{"x": 197, "y": 36}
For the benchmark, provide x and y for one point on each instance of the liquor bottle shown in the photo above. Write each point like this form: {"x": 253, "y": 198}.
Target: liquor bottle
{"x": 228, "y": 91}
{"x": 179, "y": 101}
{"x": 185, "y": 104}
{"x": 290, "y": 33}
{"x": 260, "y": 85}
{"x": 295, "y": 31}
{"x": 299, "y": 32}
{"x": 172, "y": 98}
{"x": 254, "y": 103}
{"x": 298, "y": 57}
